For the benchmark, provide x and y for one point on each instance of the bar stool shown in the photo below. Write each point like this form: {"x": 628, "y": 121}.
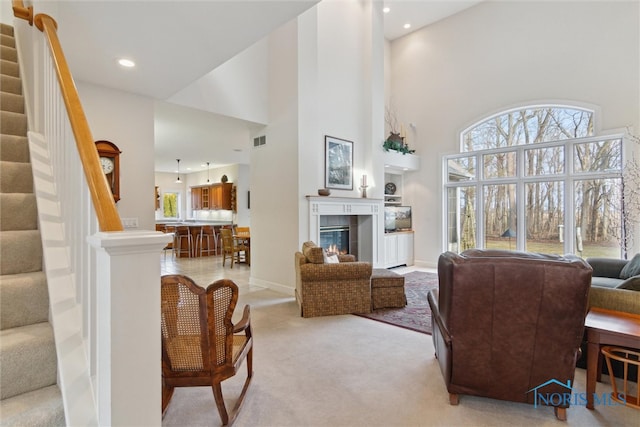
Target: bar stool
{"x": 208, "y": 234}
{"x": 182, "y": 241}
{"x": 195, "y": 230}
{"x": 170, "y": 246}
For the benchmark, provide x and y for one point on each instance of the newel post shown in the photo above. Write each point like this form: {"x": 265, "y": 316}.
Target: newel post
{"x": 128, "y": 368}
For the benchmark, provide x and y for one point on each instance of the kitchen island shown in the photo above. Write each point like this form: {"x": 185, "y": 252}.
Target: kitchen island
{"x": 195, "y": 228}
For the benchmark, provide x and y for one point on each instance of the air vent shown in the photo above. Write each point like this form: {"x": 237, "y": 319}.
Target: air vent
{"x": 260, "y": 140}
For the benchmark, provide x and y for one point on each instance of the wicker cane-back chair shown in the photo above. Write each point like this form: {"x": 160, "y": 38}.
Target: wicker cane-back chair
{"x": 200, "y": 345}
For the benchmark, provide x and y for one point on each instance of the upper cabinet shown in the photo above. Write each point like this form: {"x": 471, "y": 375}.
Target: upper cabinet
{"x": 212, "y": 197}
{"x": 221, "y": 196}
{"x": 196, "y": 198}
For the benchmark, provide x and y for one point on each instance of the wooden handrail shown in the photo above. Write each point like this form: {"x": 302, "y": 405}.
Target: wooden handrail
{"x": 19, "y": 11}
{"x": 108, "y": 217}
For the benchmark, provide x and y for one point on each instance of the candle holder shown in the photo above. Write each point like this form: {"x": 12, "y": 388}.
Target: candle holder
{"x": 363, "y": 186}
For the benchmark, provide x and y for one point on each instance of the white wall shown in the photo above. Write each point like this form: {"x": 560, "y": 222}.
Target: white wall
{"x": 497, "y": 55}
{"x": 6, "y": 12}
{"x": 243, "y": 185}
{"x": 127, "y": 121}
{"x": 237, "y": 88}
{"x": 274, "y": 177}
{"x": 342, "y": 59}
{"x": 320, "y": 83}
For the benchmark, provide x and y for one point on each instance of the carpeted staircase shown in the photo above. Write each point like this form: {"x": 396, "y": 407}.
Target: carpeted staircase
{"x": 28, "y": 365}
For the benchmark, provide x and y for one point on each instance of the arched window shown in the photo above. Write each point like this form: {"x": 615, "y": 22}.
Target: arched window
{"x": 535, "y": 179}
{"x": 528, "y": 125}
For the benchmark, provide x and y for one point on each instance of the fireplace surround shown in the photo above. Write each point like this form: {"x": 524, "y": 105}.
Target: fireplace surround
{"x": 363, "y": 217}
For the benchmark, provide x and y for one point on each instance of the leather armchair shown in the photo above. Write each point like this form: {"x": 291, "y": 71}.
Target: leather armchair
{"x": 506, "y": 323}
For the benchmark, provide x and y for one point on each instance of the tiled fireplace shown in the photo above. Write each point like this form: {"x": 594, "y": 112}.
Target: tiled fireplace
{"x": 353, "y": 224}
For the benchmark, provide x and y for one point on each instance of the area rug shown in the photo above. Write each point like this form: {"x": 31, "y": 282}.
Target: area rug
{"x": 416, "y": 315}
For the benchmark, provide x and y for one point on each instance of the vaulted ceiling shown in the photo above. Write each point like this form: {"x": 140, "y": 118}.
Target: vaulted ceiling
{"x": 174, "y": 43}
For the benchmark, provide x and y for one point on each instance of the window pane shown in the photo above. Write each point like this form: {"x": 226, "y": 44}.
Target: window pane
{"x": 500, "y": 216}
{"x": 545, "y": 217}
{"x": 499, "y": 165}
{"x": 170, "y": 205}
{"x": 598, "y": 156}
{"x": 544, "y": 161}
{"x": 597, "y": 217}
{"x": 461, "y": 218}
{"x": 529, "y": 126}
{"x": 461, "y": 169}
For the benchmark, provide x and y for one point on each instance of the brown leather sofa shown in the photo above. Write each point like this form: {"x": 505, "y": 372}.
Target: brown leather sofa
{"x": 508, "y": 325}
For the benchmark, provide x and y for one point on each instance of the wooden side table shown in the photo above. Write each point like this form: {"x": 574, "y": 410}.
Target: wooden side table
{"x": 607, "y": 327}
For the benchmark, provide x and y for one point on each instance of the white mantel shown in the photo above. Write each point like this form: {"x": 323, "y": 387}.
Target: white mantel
{"x": 370, "y": 214}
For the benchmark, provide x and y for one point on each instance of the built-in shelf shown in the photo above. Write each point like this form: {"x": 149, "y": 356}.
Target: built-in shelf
{"x": 392, "y": 200}
{"x": 395, "y": 162}
{"x": 398, "y": 246}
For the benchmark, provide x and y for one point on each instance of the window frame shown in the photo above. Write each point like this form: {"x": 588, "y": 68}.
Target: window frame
{"x": 568, "y": 178}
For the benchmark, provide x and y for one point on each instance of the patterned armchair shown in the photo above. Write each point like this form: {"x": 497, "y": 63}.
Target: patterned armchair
{"x": 324, "y": 289}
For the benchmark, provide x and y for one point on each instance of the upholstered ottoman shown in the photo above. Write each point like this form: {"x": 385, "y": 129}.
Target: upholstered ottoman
{"x": 387, "y": 289}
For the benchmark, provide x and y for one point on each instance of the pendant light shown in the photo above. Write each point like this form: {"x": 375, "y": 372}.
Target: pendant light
{"x": 207, "y": 172}
{"x": 178, "y": 181}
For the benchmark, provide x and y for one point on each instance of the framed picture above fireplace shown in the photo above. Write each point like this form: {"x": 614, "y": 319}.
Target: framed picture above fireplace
{"x": 338, "y": 163}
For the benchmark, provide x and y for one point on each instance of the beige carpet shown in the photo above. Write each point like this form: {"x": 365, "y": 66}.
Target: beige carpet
{"x": 351, "y": 371}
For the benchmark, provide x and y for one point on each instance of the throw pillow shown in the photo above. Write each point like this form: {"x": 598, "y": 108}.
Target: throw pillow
{"x": 632, "y": 268}
{"x": 313, "y": 253}
{"x": 330, "y": 258}
{"x": 630, "y": 284}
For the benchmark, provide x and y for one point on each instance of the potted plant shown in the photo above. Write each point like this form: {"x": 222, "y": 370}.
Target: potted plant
{"x": 394, "y": 141}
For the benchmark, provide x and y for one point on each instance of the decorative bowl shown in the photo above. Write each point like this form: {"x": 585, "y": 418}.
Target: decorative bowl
{"x": 323, "y": 192}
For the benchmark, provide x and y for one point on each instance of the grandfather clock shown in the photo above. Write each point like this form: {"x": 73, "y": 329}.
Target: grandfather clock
{"x": 110, "y": 162}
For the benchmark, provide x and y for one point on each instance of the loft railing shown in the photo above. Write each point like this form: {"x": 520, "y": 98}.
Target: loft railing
{"x": 104, "y": 205}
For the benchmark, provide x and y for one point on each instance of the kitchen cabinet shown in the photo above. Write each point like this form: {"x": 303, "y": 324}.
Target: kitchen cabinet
{"x": 220, "y": 196}
{"x": 196, "y": 198}
{"x": 204, "y": 198}
{"x": 212, "y": 197}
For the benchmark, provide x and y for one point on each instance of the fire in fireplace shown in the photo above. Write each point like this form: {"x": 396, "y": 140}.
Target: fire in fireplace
{"x": 335, "y": 238}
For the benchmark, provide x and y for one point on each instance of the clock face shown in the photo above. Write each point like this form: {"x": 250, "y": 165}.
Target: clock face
{"x": 107, "y": 164}
{"x": 390, "y": 188}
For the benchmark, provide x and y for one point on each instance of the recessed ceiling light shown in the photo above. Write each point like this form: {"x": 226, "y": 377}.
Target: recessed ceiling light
{"x": 386, "y": 9}
{"x": 126, "y": 63}
{"x": 407, "y": 25}
{"x": 237, "y": 150}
